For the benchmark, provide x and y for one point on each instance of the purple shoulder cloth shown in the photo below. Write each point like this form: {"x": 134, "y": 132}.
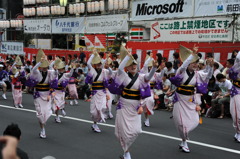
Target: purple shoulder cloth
{"x": 115, "y": 88}
{"x": 176, "y": 80}
{"x": 145, "y": 91}
{"x": 89, "y": 79}
{"x": 31, "y": 82}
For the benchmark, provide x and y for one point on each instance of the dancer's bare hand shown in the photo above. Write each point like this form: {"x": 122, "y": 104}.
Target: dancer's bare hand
{"x": 155, "y": 63}
{"x": 198, "y": 108}
{"x": 140, "y": 110}
{"x": 195, "y": 49}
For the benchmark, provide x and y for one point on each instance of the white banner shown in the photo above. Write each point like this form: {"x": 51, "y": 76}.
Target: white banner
{"x": 12, "y": 48}
{"x": 68, "y": 25}
{"x": 42, "y": 43}
{"x": 107, "y": 24}
{"x": 152, "y": 9}
{"x": 198, "y": 29}
{"x": 216, "y": 7}
{"x": 37, "y": 26}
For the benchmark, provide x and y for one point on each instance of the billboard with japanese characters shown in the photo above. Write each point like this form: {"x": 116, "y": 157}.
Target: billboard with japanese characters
{"x": 11, "y": 48}
{"x": 216, "y": 7}
{"x": 68, "y": 25}
{"x": 198, "y": 29}
{"x": 37, "y": 26}
{"x": 107, "y": 24}
{"x": 152, "y": 9}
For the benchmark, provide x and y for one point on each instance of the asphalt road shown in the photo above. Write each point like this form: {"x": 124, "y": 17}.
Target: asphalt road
{"x": 74, "y": 139}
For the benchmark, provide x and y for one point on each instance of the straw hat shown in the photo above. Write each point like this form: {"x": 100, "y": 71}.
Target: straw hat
{"x": 150, "y": 63}
{"x": 97, "y": 59}
{"x": 40, "y": 54}
{"x": 18, "y": 61}
{"x": 109, "y": 61}
{"x": 185, "y": 53}
{"x": 124, "y": 53}
{"x": 59, "y": 64}
{"x": 14, "y": 70}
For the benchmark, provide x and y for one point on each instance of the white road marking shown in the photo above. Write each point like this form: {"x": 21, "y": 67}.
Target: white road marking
{"x": 144, "y": 132}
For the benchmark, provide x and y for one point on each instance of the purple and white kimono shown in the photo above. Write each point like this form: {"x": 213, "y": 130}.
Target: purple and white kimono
{"x": 43, "y": 104}
{"x": 128, "y": 121}
{"x": 185, "y": 116}
{"x": 98, "y": 100}
{"x": 234, "y": 74}
{"x": 155, "y": 83}
{"x": 59, "y": 97}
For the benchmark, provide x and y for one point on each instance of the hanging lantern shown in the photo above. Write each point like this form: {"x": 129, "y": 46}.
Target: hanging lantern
{"x": 19, "y": 24}
{"x": 40, "y": 11}
{"x": 89, "y": 7}
{"x": 52, "y": 10}
{"x": 3, "y": 24}
{"x": 58, "y": 10}
{"x": 93, "y": 6}
{"x": 33, "y": 11}
{"x": 78, "y": 6}
{"x": 115, "y": 4}
{"x": 75, "y": 8}
{"x": 8, "y": 24}
{"x": 12, "y": 23}
{"x": 43, "y": 10}
{"x": 55, "y": 10}
{"x": 125, "y": 4}
{"x": 101, "y": 3}
{"x": 82, "y": 6}
{"x": 24, "y": 11}
{"x": 29, "y": 12}
{"x": 62, "y": 10}
{"x": 110, "y": 5}
{"x": 70, "y": 8}
{"x": 97, "y": 6}
{"x": 120, "y": 4}
{"x": 47, "y": 10}
{"x": 37, "y": 11}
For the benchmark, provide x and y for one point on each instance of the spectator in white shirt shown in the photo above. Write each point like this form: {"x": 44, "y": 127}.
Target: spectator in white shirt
{"x": 224, "y": 95}
{"x": 169, "y": 68}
